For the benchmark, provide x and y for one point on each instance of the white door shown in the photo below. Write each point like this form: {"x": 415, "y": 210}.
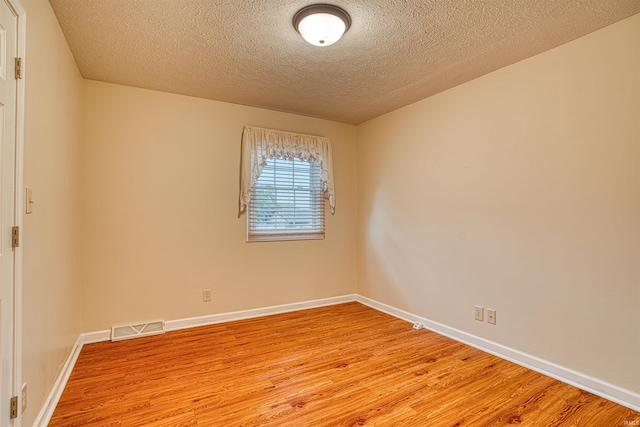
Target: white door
{"x": 8, "y": 91}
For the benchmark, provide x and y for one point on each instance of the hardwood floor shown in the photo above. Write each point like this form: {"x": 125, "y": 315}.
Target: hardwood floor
{"x": 344, "y": 365}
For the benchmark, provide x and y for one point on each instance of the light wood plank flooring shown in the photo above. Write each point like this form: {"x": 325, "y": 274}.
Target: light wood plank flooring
{"x": 344, "y": 365}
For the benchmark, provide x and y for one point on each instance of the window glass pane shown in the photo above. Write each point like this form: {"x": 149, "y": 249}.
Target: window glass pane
{"x": 287, "y": 202}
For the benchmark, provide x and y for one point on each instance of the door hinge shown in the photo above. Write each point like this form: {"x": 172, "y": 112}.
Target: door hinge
{"x": 13, "y": 413}
{"x": 18, "y": 68}
{"x": 15, "y": 237}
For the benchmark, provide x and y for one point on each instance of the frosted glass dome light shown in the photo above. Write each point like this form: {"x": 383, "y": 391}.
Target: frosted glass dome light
{"x": 321, "y": 24}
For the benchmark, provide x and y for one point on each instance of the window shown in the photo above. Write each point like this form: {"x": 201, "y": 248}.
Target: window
{"x": 287, "y": 202}
{"x": 284, "y": 180}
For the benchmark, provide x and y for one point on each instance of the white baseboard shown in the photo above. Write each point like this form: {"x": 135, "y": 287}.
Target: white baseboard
{"x": 173, "y": 325}
{"x": 43, "y": 418}
{"x": 93, "y": 337}
{"x": 593, "y": 385}
{"x": 585, "y": 382}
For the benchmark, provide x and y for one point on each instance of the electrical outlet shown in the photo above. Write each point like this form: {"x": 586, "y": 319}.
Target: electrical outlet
{"x": 24, "y": 397}
{"x": 206, "y": 295}
{"x": 479, "y": 313}
{"x": 491, "y": 316}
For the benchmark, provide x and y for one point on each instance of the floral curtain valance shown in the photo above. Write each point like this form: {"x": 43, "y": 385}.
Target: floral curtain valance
{"x": 259, "y": 145}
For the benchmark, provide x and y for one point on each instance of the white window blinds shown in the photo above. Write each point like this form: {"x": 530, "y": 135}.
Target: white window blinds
{"x": 287, "y": 201}
{"x": 285, "y": 178}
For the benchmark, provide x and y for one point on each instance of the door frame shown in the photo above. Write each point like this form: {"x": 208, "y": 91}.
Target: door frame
{"x": 18, "y": 209}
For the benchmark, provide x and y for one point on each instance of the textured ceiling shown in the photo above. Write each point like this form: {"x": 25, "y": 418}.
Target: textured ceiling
{"x": 247, "y": 51}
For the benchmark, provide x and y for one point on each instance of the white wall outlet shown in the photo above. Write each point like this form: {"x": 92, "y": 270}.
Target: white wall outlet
{"x": 206, "y": 295}
{"x": 24, "y": 397}
{"x": 491, "y": 316}
{"x": 479, "y": 313}
{"x": 417, "y": 325}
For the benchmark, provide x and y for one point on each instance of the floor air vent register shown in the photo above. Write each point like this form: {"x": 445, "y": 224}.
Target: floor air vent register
{"x": 126, "y": 332}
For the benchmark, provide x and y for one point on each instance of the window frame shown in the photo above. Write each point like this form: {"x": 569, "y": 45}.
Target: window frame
{"x": 316, "y": 201}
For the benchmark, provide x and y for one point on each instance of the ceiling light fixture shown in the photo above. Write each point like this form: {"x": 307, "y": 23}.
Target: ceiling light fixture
{"x": 321, "y": 24}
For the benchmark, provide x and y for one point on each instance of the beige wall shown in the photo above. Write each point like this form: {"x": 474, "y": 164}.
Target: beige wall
{"x": 51, "y": 277}
{"x": 518, "y": 191}
{"x": 160, "y": 180}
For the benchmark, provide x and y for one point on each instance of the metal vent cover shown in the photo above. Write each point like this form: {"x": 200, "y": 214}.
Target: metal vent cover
{"x": 136, "y": 330}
